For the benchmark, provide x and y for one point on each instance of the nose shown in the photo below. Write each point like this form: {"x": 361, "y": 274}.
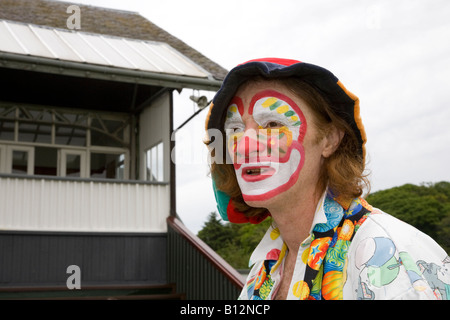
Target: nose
{"x": 250, "y": 145}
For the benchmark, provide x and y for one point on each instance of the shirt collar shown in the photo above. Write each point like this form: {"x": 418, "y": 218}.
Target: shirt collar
{"x": 271, "y": 244}
{"x": 319, "y": 216}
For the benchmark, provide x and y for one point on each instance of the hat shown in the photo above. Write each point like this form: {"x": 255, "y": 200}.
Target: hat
{"x": 342, "y": 102}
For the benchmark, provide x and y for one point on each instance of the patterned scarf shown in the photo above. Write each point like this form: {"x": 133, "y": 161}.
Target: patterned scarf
{"x": 326, "y": 257}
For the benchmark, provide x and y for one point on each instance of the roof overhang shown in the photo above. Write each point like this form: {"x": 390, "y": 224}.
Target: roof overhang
{"x": 85, "y": 70}
{"x": 71, "y": 53}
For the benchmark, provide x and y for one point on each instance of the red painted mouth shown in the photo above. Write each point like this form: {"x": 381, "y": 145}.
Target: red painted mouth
{"x": 257, "y": 173}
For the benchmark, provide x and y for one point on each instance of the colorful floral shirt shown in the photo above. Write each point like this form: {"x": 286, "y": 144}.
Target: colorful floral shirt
{"x": 355, "y": 252}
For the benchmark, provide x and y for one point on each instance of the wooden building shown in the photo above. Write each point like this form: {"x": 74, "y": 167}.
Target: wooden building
{"x": 86, "y": 117}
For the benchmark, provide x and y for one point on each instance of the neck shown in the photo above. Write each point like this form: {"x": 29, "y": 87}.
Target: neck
{"x": 294, "y": 220}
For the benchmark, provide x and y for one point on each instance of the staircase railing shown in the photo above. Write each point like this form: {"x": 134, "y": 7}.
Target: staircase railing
{"x": 198, "y": 271}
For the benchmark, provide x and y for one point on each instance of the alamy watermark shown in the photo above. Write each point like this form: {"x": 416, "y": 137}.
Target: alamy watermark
{"x": 74, "y": 20}
{"x": 74, "y": 280}
{"x": 231, "y": 148}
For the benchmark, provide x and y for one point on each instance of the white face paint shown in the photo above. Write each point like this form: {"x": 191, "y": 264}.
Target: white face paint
{"x": 268, "y": 160}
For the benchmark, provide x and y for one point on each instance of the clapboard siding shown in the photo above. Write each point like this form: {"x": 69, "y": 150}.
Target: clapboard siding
{"x": 42, "y": 258}
{"x": 34, "y": 203}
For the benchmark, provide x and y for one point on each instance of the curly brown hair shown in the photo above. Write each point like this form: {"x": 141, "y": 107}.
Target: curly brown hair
{"x": 343, "y": 172}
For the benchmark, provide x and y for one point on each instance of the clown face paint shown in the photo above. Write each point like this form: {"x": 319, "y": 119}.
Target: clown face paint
{"x": 267, "y": 160}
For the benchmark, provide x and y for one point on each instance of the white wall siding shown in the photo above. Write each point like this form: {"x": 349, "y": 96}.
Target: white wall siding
{"x": 37, "y": 204}
{"x": 156, "y": 118}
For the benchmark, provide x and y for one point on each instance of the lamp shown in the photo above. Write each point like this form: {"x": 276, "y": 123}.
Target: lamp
{"x": 201, "y": 102}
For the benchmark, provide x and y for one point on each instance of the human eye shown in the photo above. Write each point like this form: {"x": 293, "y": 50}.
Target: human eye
{"x": 273, "y": 124}
{"x": 234, "y": 127}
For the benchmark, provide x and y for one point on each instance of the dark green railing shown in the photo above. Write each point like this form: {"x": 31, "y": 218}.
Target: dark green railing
{"x": 198, "y": 271}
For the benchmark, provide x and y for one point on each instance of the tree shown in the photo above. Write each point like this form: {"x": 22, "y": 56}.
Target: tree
{"x": 214, "y": 233}
{"x": 426, "y": 207}
{"x": 233, "y": 242}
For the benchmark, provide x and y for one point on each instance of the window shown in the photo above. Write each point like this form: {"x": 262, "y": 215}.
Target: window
{"x": 7, "y": 124}
{"x": 155, "y": 163}
{"x": 20, "y": 160}
{"x": 31, "y": 131}
{"x": 63, "y": 142}
{"x": 58, "y": 126}
{"x": 107, "y": 166}
{"x": 71, "y": 128}
{"x": 107, "y": 132}
{"x": 73, "y": 163}
{"x": 20, "y": 163}
{"x": 70, "y": 136}
{"x": 45, "y": 161}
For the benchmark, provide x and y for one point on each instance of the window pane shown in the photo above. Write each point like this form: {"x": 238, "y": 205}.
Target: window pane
{"x": 20, "y": 162}
{"x": 109, "y": 166}
{"x": 108, "y": 133}
{"x": 73, "y": 165}
{"x": 8, "y": 112}
{"x": 148, "y": 165}
{"x": 32, "y": 132}
{"x": 102, "y": 139}
{"x": 120, "y": 167}
{"x": 160, "y": 162}
{"x": 6, "y": 130}
{"x": 113, "y": 126}
{"x": 45, "y": 161}
{"x": 154, "y": 163}
{"x": 154, "y": 169}
{"x": 72, "y": 136}
{"x": 42, "y": 115}
{"x": 76, "y": 118}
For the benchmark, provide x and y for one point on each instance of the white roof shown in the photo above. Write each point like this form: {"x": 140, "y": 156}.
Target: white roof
{"x": 89, "y": 48}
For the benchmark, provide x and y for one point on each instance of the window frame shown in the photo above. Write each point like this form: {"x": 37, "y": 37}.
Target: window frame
{"x": 62, "y": 162}
{"x": 9, "y": 158}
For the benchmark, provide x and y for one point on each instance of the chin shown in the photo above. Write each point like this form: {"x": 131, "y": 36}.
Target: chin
{"x": 262, "y": 203}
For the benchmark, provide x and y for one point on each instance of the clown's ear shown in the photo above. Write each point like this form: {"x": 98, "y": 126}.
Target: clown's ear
{"x": 331, "y": 141}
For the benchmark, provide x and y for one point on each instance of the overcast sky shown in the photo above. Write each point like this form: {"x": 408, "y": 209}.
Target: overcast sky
{"x": 393, "y": 54}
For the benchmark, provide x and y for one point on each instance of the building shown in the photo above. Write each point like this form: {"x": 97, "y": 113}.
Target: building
{"x": 86, "y": 117}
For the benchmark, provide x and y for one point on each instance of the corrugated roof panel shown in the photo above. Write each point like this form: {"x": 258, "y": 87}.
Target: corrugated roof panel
{"x": 9, "y": 43}
{"x": 107, "y": 51}
{"x": 118, "y": 47}
{"x": 82, "y": 47}
{"x": 179, "y": 61}
{"x": 55, "y": 44}
{"x": 130, "y": 50}
{"x": 67, "y": 43}
{"x": 91, "y": 48}
{"x": 28, "y": 40}
{"x": 150, "y": 52}
{"x": 41, "y": 37}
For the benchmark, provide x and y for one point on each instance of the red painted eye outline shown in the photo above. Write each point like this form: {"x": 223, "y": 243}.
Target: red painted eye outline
{"x": 279, "y": 95}
{"x": 238, "y": 102}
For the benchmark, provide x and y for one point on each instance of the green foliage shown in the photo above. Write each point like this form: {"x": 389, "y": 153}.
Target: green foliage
{"x": 214, "y": 233}
{"x": 427, "y": 207}
{"x": 233, "y": 242}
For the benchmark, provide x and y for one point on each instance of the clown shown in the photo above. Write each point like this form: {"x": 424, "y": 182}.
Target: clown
{"x": 294, "y": 150}
{"x": 269, "y": 155}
